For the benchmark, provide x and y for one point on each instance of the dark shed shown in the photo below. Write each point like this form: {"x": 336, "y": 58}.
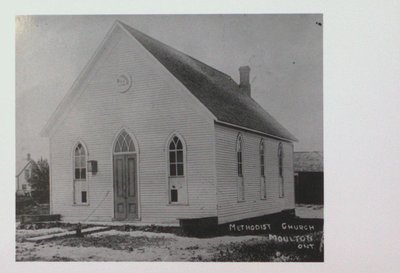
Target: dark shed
{"x": 309, "y": 177}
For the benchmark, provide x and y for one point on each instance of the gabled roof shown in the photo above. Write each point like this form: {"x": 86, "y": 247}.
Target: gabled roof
{"x": 24, "y": 168}
{"x": 214, "y": 89}
{"x": 308, "y": 161}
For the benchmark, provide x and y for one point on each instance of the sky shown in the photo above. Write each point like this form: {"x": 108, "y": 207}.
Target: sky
{"x": 284, "y": 53}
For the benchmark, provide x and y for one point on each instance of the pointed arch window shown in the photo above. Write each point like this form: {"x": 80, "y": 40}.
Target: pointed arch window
{"x": 280, "y": 164}
{"x": 124, "y": 143}
{"x": 280, "y": 158}
{"x": 176, "y": 164}
{"x": 239, "y": 147}
{"x": 239, "y": 159}
{"x": 80, "y": 162}
{"x": 80, "y": 181}
{"x": 263, "y": 186}
{"x": 177, "y": 186}
{"x": 262, "y": 159}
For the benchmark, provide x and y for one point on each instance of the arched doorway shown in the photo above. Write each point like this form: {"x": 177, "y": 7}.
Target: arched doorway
{"x": 125, "y": 178}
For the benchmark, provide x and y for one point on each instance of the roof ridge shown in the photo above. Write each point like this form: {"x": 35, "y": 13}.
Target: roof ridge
{"x": 130, "y": 29}
{"x": 213, "y": 88}
{"x": 25, "y": 166}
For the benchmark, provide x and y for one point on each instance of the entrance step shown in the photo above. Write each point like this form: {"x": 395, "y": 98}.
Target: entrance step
{"x": 67, "y": 234}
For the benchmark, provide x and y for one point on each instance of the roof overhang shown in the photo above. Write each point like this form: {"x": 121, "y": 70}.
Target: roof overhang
{"x": 254, "y": 131}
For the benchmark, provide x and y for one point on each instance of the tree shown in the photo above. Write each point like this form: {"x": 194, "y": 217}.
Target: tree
{"x": 39, "y": 181}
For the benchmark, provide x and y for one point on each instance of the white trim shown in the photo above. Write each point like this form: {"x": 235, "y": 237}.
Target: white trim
{"x": 239, "y": 143}
{"x": 185, "y": 174}
{"x": 134, "y": 139}
{"x": 116, "y": 138}
{"x": 76, "y": 143}
{"x": 124, "y": 153}
{"x": 263, "y": 179}
{"x": 261, "y": 144}
{"x": 254, "y": 131}
{"x": 281, "y": 170}
{"x": 240, "y": 178}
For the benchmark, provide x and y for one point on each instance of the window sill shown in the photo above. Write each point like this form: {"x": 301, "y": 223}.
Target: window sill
{"x": 177, "y": 204}
{"x": 81, "y": 205}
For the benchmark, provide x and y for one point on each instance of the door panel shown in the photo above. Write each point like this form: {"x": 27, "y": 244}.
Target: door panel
{"x": 125, "y": 187}
{"x": 120, "y": 177}
{"x": 131, "y": 187}
{"x": 131, "y": 177}
{"x": 119, "y": 198}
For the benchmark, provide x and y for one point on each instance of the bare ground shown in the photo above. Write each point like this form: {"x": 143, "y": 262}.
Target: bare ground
{"x": 148, "y": 246}
{"x": 139, "y": 245}
{"x": 127, "y": 246}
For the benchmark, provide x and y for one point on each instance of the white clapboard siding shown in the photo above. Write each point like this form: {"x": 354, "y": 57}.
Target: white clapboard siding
{"x": 154, "y": 107}
{"x": 229, "y": 209}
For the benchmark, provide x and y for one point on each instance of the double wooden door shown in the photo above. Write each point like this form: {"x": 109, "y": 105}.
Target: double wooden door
{"x": 125, "y": 187}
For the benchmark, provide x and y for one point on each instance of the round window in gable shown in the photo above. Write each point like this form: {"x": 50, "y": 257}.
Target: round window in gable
{"x": 123, "y": 83}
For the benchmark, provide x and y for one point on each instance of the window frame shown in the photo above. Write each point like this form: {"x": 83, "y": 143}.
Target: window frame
{"x": 176, "y": 161}
{"x": 262, "y": 158}
{"x": 80, "y": 180}
{"x": 171, "y": 180}
{"x": 126, "y": 139}
{"x": 280, "y": 168}
{"x": 82, "y": 168}
{"x": 241, "y": 197}
{"x": 239, "y": 155}
{"x": 263, "y": 182}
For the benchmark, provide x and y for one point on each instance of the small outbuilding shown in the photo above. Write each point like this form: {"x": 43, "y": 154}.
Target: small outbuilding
{"x": 309, "y": 177}
{"x": 149, "y": 134}
{"x": 23, "y": 187}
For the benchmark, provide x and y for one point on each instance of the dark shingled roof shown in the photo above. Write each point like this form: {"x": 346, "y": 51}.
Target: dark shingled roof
{"x": 216, "y": 90}
{"x": 308, "y": 161}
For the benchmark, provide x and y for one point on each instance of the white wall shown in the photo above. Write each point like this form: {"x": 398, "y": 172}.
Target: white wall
{"x": 229, "y": 209}
{"x": 156, "y": 105}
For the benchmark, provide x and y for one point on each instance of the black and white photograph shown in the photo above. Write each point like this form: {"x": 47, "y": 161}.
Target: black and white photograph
{"x": 195, "y": 138}
{"x": 200, "y": 136}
